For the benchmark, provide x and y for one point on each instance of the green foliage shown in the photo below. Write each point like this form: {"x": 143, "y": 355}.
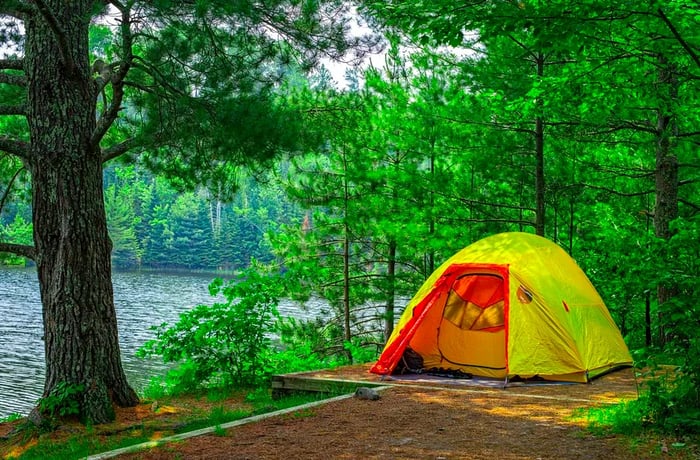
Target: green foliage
{"x": 310, "y": 345}
{"x": 668, "y": 403}
{"x": 362, "y": 352}
{"x": 305, "y": 357}
{"x": 217, "y": 416}
{"x": 623, "y": 418}
{"x": 87, "y": 444}
{"x": 19, "y": 231}
{"x": 11, "y": 418}
{"x": 672, "y": 403}
{"x": 672, "y": 400}
{"x": 307, "y": 345}
{"x": 63, "y": 401}
{"x": 156, "y": 388}
{"x": 152, "y": 225}
{"x": 77, "y": 447}
{"x": 224, "y": 344}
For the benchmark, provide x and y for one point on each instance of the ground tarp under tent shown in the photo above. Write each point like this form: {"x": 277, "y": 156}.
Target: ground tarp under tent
{"x": 510, "y": 305}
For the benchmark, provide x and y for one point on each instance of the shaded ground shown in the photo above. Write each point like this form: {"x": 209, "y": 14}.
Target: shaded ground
{"x": 421, "y": 420}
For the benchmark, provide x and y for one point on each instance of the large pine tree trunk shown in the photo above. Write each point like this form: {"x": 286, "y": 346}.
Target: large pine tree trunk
{"x": 70, "y": 229}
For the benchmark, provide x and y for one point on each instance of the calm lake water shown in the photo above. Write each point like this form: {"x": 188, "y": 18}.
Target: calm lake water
{"x": 142, "y": 299}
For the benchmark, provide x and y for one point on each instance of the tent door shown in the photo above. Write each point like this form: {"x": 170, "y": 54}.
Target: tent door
{"x": 471, "y": 334}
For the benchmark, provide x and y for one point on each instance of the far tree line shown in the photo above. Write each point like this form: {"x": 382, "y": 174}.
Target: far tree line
{"x": 154, "y": 225}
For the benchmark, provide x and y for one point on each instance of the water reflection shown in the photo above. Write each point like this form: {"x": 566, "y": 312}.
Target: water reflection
{"x": 142, "y": 299}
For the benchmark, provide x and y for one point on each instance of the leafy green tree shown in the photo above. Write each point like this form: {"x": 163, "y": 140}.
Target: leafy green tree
{"x": 610, "y": 112}
{"x": 399, "y": 207}
{"x": 14, "y": 209}
{"x": 188, "y": 85}
{"x": 364, "y": 244}
{"x": 192, "y": 233}
{"x": 18, "y": 231}
{"x": 122, "y": 219}
{"x": 225, "y": 344}
{"x": 331, "y": 254}
{"x": 599, "y": 83}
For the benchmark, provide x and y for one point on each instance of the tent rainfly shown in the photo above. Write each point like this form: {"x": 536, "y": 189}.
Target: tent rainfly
{"x": 510, "y": 305}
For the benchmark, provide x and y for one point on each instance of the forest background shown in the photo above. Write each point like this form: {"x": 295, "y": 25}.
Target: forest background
{"x": 475, "y": 124}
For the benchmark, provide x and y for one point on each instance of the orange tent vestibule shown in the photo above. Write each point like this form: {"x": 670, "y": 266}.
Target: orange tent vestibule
{"x": 513, "y": 304}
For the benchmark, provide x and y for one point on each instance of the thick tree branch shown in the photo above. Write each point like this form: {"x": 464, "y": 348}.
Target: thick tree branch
{"x": 117, "y": 79}
{"x": 118, "y": 149}
{"x": 13, "y": 109}
{"x": 63, "y": 47}
{"x": 6, "y": 193}
{"x": 10, "y": 79}
{"x": 693, "y": 55}
{"x": 108, "y": 117}
{"x": 11, "y": 64}
{"x": 19, "y": 249}
{"x": 14, "y": 147}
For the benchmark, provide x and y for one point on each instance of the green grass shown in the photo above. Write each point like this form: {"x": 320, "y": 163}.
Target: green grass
{"x": 76, "y": 447}
{"x": 88, "y": 443}
{"x": 623, "y": 418}
{"x": 11, "y": 418}
{"x": 630, "y": 421}
{"x": 217, "y": 416}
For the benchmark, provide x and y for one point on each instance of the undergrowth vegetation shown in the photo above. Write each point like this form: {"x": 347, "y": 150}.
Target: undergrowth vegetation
{"x": 220, "y": 407}
{"x": 243, "y": 341}
{"x": 668, "y": 404}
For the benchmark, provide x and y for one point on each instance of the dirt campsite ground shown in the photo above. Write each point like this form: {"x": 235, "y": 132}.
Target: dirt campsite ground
{"x": 422, "y": 419}
{"x": 436, "y": 420}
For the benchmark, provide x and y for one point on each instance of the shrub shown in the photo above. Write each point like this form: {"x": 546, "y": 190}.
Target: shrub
{"x": 225, "y": 344}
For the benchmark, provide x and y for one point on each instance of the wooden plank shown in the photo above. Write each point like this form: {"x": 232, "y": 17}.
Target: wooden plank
{"x": 292, "y": 383}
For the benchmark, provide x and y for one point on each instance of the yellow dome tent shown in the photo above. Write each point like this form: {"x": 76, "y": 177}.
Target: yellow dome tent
{"x": 512, "y": 304}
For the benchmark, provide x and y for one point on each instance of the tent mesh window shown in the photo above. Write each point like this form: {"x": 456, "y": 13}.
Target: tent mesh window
{"x": 475, "y": 303}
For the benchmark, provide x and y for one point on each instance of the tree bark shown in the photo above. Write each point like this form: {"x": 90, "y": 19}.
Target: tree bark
{"x": 431, "y": 205}
{"x": 540, "y": 208}
{"x": 71, "y": 241}
{"x": 389, "y": 313}
{"x": 347, "y": 331}
{"x": 666, "y": 179}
